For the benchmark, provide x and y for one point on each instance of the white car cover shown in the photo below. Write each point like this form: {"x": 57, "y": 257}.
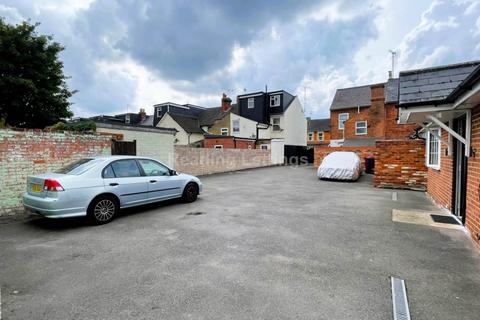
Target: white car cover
{"x": 340, "y": 165}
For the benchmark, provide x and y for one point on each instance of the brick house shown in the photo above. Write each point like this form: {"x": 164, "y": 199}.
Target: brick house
{"x": 361, "y": 115}
{"x": 228, "y": 142}
{"x": 445, "y": 102}
{"x": 318, "y": 131}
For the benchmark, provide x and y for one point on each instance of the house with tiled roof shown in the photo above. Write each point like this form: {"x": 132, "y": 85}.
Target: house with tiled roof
{"x": 445, "y": 102}
{"x": 318, "y": 131}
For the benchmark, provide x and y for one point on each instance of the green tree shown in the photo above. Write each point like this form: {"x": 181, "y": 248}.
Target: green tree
{"x": 33, "y": 90}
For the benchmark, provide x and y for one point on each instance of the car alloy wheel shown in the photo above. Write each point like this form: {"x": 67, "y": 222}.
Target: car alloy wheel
{"x": 104, "y": 210}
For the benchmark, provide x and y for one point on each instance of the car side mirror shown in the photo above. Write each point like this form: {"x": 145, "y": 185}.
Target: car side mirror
{"x": 172, "y": 172}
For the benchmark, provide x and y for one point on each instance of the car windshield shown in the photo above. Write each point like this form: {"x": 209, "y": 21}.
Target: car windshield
{"x": 79, "y": 167}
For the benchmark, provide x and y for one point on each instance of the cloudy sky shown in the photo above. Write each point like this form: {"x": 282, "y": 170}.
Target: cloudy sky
{"x": 124, "y": 54}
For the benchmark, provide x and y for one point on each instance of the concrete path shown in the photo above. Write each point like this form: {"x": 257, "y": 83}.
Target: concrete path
{"x": 272, "y": 243}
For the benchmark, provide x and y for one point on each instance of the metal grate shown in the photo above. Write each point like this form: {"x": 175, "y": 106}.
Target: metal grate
{"x": 444, "y": 219}
{"x": 399, "y": 299}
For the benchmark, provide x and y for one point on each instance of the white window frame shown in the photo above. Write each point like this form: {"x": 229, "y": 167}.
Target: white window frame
{"x": 357, "y": 127}
{"x": 275, "y": 99}
{"x": 250, "y": 103}
{"x": 159, "y": 111}
{"x": 310, "y": 136}
{"x": 264, "y": 146}
{"x": 341, "y": 125}
{"x": 439, "y": 151}
{"x": 224, "y": 131}
{"x": 127, "y": 118}
{"x": 218, "y": 146}
{"x": 318, "y": 135}
{"x": 233, "y": 125}
{"x": 273, "y": 125}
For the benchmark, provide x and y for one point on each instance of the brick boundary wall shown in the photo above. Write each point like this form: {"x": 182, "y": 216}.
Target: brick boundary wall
{"x": 400, "y": 164}
{"x": 30, "y": 152}
{"x": 202, "y": 161}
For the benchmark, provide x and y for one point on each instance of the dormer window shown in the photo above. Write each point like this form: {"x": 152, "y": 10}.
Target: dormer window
{"x": 159, "y": 112}
{"x": 275, "y": 101}
{"x": 127, "y": 118}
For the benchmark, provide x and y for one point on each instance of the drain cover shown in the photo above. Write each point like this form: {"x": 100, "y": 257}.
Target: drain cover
{"x": 444, "y": 219}
{"x": 399, "y": 300}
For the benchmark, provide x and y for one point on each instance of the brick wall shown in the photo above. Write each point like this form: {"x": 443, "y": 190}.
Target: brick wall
{"x": 393, "y": 130}
{"x": 473, "y": 180}
{"x": 315, "y": 141}
{"x": 440, "y": 182}
{"x": 201, "y": 161}
{"x": 24, "y": 153}
{"x": 229, "y": 143}
{"x": 400, "y": 164}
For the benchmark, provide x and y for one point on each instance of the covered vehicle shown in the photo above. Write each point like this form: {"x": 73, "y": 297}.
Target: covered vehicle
{"x": 340, "y": 165}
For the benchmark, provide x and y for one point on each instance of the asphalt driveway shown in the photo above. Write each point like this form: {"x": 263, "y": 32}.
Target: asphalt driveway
{"x": 272, "y": 243}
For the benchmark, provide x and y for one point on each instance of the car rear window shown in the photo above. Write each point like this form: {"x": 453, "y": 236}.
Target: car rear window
{"x": 79, "y": 166}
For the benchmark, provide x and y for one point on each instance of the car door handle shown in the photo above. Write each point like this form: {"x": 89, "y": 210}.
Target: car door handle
{"x": 153, "y": 181}
{"x": 113, "y": 184}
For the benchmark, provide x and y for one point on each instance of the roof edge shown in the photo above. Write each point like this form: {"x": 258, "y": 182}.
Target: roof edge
{"x": 441, "y": 67}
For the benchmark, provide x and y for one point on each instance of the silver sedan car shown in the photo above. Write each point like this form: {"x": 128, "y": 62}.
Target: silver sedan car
{"x": 98, "y": 187}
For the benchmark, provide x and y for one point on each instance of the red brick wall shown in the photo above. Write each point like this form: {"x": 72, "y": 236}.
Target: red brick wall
{"x": 24, "y": 153}
{"x": 229, "y": 143}
{"x": 473, "y": 180}
{"x": 393, "y": 130}
{"x": 400, "y": 163}
{"x": 440, "y": 182}
{"x": 335, "y": 133}
{"x": 226, "y": 142}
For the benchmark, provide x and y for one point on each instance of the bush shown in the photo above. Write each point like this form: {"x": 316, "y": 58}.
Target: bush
{"x": 82, "y": 126}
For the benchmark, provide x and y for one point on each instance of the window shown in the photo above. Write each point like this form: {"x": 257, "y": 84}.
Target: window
{"x": 127, "y": 118}
{"x": 310, "y": 136}
{"x": 342, "y": 117}
{"x": 79, "y": 166}
{"x": 236, "y": 125}
{"x": 360, "y": 127}
{"x": 218, "y": 146}
{"x": 108, "y": 173}
{"x": 275, "y": 101}
{"x": 276, "y": 124}
{"x": 433, "y": 149}
{"x": 159, "y": 112}
{"x": 153, "y": 168}
{"x": 264, "y": 146}
{"x": 224, "y": 131}
{"x": 251, "y": 103}
{"x": 125, "y": 168}
{"x": 320, "y": 136}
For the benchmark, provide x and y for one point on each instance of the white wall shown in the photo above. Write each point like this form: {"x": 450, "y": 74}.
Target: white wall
{"x": 248, "y": 128}
{"x": 181, "y": 136}
{"x": 156, "y": 145}
{"x": 295, "y": 125}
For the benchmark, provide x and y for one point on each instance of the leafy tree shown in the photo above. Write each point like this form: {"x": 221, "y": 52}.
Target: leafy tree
{"x": 33, "y": 90}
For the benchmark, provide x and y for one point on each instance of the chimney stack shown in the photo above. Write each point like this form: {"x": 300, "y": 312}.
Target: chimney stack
{"x": 142, "y": 114}
{"x": 226, "y": 102}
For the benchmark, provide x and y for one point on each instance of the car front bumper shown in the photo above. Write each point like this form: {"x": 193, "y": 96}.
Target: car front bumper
{"x": 51, "y": 207}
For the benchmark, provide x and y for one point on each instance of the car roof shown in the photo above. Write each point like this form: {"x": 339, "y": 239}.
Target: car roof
{"x": 121, "y": 157}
